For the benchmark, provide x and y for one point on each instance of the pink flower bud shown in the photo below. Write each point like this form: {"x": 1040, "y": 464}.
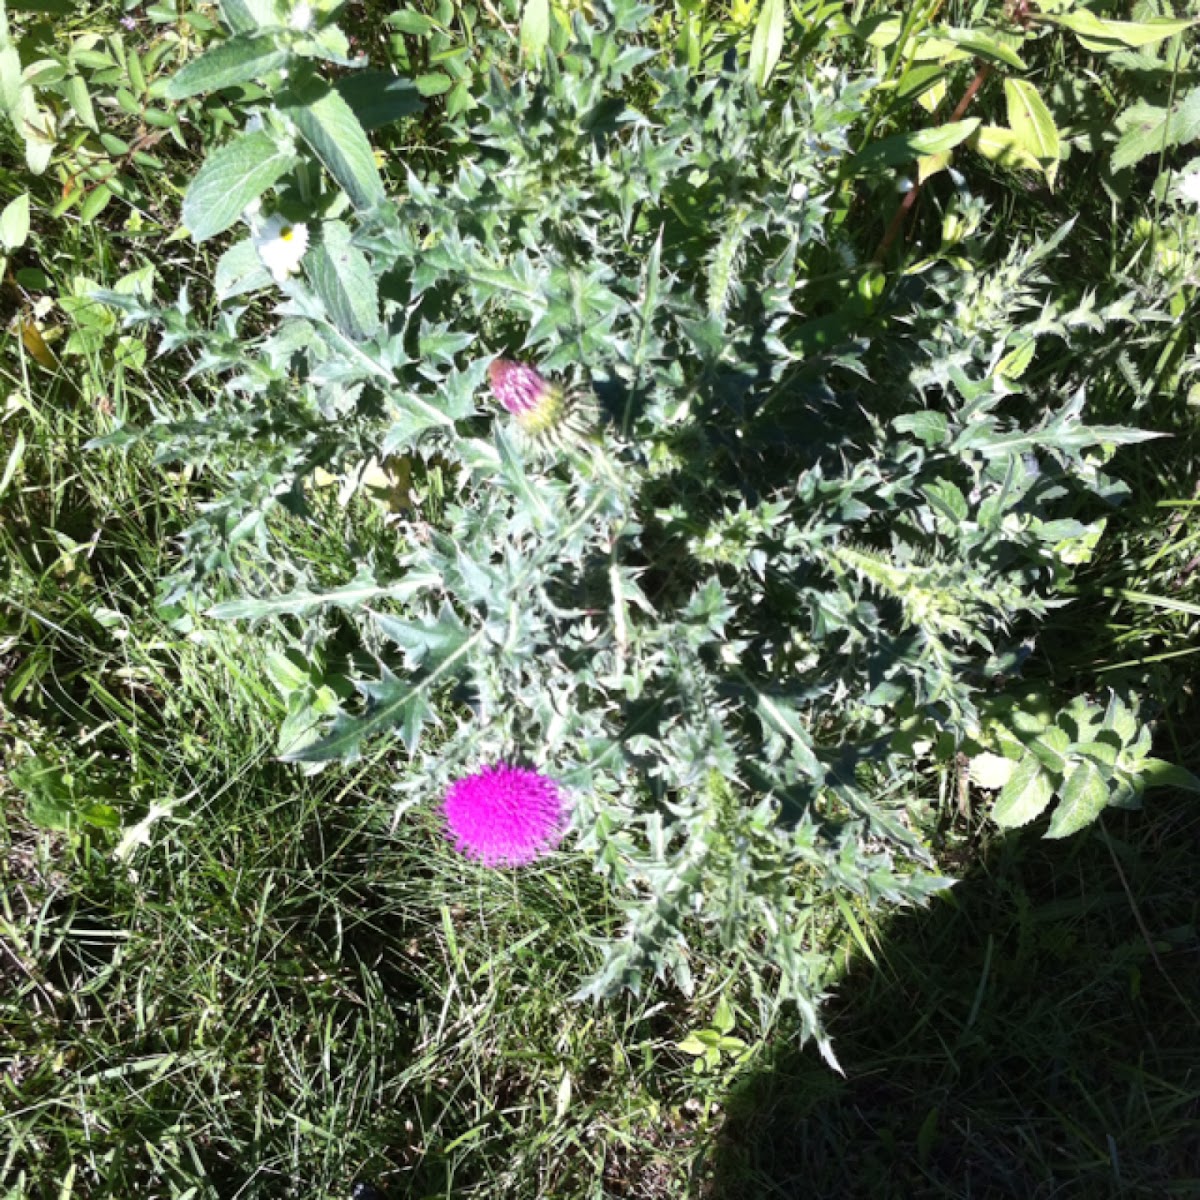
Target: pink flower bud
{"x": 536, "y": 404}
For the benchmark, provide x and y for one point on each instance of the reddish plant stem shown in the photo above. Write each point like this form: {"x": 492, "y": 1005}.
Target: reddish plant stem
{"x": 896, "y": 224}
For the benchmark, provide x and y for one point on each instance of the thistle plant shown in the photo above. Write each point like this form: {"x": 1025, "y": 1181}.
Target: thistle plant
{"x": 808, "y": 529}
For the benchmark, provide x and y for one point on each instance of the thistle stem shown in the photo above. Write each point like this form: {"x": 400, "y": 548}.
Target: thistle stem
{"x": 910, "y": 200}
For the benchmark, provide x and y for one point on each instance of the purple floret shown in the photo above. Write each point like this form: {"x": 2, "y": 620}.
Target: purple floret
{"x": 505, "y": 816}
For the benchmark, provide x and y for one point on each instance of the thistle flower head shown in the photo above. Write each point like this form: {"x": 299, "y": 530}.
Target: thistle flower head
{"x": 536, "y": 404}
{"x": 505, "y": 816}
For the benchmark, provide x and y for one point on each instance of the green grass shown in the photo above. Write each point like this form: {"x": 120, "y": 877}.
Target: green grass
{"x": 1035, "y": 1037}
{"x": 283, "y": 988}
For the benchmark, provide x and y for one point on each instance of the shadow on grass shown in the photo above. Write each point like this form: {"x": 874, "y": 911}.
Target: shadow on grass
{"x": 1025, "y": 1040}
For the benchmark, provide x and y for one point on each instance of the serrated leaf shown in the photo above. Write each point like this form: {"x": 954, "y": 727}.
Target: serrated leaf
{"x": 285, "y": 674}
{"x": 411, "y": 416}
{"x": 229, "y": 180}
{"x": 1148, "y": 129}
{"x": 1084, "y": 798}
{"x": 1024, "y": 796}
{"x": 535, "y": 27}
{"x": 1157, "y": 772}
{"x": 330, "y": 127}
{"x": 1051, "y": 748}
{"x": 1103, "y": 753}
{"x": 239, "y": 59}
{"x": 330, "y": 45}
{"x": 647, "y": 309}
{"x": 393, "y": 703}
{"x": 947, "y": 499}
{"x": 1068, "y": 437}
{"x": 904, "y": 147}
{"x": 932, "y": 428}
{"x": 767, "y": 44}
{"x": 1119, "y": 719}
{"x": 777, "y": 714}
{"x": 425, "y": 643}
{"x": 354, "y": 595}
{"x": 341, "y": 275}
{"x": 1016, "y": 362}
{"x": 440, "y": 343}
{"x": 512, "y": 466}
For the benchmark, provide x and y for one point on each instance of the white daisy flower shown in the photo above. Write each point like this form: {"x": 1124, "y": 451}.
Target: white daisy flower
{"x": 301, "y": 17}
{"x": 1187, "y": 186}
{"x": 281, "y": 245}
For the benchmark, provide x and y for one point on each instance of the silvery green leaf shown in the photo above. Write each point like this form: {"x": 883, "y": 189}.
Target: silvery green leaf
{"x": 330, "y": 127}
{"x": 1084, "y": 795}
{"x": 341, "y": 275}
{"x": 1025, "y": 795}
{"x": 238, "y": 59}
{"x": 230, "y": 179}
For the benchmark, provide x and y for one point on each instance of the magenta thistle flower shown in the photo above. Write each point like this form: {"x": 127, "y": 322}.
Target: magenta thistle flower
{"x": 535, "y": 403}
{"x": 505, "y": 816}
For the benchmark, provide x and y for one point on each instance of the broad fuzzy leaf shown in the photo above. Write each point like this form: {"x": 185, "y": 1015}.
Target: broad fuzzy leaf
{"x": 377, "y": 98}
{"x": 342, "y": 277}
{"x": 1150, "y": 129}
{"x": 1084, "y": 796}
{"x": 330, "y": 127}
{"x": 1025, "y": 795}
{"x": 230, "y": 179}
{"x": 237, "y": 60}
